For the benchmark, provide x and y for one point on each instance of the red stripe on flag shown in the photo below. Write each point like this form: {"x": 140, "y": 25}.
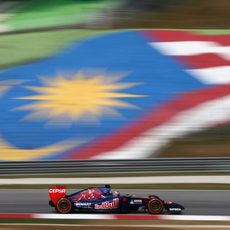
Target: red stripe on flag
{"x": 181, "y": 35}
{"x": 15, "y": 216}
{"x": 137, "y": 217}
{"x": 169, "y": 35}
{"x": 224, "y": 40}
{"x": 203, "y": 61}
{"x": 154, "y": 118}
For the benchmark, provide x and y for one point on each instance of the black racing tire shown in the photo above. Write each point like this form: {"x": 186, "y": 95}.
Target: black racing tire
{"x": 155, "y": 206}
{"x": 64, "y": 206}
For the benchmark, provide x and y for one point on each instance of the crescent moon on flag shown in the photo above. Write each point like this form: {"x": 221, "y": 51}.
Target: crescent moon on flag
{"x": 12, "y": 153}
{"x": 67, "y": 100}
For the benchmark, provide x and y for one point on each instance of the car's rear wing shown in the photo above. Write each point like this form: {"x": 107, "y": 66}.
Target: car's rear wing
{"x": 57, "y": 192}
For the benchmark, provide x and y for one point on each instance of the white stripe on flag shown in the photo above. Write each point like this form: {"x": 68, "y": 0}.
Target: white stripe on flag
{"x": 188, "y": 48}
{"x": 214, "y": 75}
{"x": 191, "y": 120}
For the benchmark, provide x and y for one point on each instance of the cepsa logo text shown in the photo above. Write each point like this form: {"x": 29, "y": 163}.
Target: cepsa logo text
{"x": 108, "y": 205}
{"x": 56, "y": 190}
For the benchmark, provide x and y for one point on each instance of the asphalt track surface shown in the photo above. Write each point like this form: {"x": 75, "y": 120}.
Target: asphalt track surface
{"x": 196, "y": 202}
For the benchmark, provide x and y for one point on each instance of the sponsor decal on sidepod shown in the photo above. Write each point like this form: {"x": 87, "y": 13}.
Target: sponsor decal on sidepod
{"x": 174, "y": 209}
{"x": 57, "y": 190}
{"x": 136, "y": 202}
{"x": 108, "y": 205}
{"x": 82, "y": 204}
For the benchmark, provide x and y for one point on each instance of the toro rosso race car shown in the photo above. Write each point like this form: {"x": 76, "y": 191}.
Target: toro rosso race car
{"x": 102, "y": 199}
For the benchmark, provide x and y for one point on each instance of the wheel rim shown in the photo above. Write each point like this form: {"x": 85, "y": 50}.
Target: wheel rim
{"x": 156, "y": 206}
{"x": 64, "y": 205}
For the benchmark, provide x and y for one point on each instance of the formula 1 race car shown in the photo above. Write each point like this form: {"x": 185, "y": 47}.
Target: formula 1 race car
{"x": 102, "y": 199}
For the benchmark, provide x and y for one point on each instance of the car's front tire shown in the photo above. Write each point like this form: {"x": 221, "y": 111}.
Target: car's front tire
{"x": 155, "y": 206}
{"x": 64, "y": 206}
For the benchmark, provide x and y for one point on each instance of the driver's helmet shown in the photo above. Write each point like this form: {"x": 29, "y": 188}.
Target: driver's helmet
{"x": 105, "y": 191}
{"x": 116, "y": 193}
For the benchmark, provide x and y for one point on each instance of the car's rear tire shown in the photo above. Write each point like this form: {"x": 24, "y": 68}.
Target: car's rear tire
{"x": 155, "y": 206}
{"x": 64, "y": 206}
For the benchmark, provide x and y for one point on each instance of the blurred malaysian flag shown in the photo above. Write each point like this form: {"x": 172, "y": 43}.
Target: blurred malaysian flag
{"x": 122, "y": 95}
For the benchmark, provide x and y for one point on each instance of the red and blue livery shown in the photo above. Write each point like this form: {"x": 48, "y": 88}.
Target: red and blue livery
{"x": 103, "y": 200}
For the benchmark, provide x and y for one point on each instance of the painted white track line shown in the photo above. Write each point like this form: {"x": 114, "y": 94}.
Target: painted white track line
{"x": 131, "y": 217}
{"x": 120, "y": 180}
{"x": 74, "y": 216}
{"x": 114, "y": 217}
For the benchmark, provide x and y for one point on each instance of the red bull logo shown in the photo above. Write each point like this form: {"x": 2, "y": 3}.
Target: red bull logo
{"x": 108, "y": 205}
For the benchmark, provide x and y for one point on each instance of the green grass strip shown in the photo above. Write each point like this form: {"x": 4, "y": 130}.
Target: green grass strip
{"x": 213, "y": 32}
{"x": 105, "y": 224}
{"x": 45, "y": 13}
{"x": 25, "y": 48}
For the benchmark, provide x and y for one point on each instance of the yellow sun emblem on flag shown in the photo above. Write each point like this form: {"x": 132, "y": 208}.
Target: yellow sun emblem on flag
{"x": 67, "y": 99}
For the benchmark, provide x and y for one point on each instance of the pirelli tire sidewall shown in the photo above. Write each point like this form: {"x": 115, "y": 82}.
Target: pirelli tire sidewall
{"x": 155, "y": 206}
{"x": 64, "y": 205}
